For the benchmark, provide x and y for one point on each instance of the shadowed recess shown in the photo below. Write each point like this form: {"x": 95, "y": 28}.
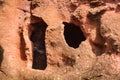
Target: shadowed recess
{"x": 1, "y": 54}
{"x": 73, "y": 35}
{"x": 22, "y": 46}
{"x": 2, "y": 2}
{"x": 38, "y": 38}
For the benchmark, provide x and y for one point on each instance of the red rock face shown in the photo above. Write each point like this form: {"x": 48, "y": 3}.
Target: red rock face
{"x": 59, "y": 40}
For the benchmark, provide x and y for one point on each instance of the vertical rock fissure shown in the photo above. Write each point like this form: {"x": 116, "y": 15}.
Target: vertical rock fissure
{"x": 1, "y": 59}
{"x": 73, "y": 35}
{"x": 38, "y": 29}
{"x": 22, "y": 45}
{"x": 1, "y": 55}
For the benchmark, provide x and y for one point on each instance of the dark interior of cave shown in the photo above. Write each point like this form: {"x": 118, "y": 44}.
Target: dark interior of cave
{"x": 73, "y": 35}
{"x": 39, "y": 49}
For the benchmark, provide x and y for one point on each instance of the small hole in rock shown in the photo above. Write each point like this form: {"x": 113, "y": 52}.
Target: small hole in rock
{"x": 37, "y": 36}
{"x": 2, "y": 2}
{"x": 73, "y": 35}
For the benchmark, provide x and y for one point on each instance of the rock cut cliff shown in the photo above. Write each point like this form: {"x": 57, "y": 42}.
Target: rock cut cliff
{"x": 59, "y": 39}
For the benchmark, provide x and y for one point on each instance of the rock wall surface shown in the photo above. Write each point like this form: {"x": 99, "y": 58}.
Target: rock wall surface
{"x": 59, "y": 39}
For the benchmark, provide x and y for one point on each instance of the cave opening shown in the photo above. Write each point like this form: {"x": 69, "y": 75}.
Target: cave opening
{"x": 73, "y": 35}
{"x": 37, "y": 37}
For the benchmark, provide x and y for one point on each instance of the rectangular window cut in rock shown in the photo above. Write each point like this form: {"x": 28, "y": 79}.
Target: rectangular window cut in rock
{"x": 38, "y": 29}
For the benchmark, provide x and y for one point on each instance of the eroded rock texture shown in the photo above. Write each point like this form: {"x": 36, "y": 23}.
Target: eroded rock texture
{"x": 59, "y": 39}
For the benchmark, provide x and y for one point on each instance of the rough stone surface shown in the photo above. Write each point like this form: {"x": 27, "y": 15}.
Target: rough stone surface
{"x": 59, "y": 39}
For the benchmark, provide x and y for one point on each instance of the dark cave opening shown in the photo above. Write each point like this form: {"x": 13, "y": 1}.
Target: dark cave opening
{"x": 73, "y": 35}
{"x": 37, "y": 37}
